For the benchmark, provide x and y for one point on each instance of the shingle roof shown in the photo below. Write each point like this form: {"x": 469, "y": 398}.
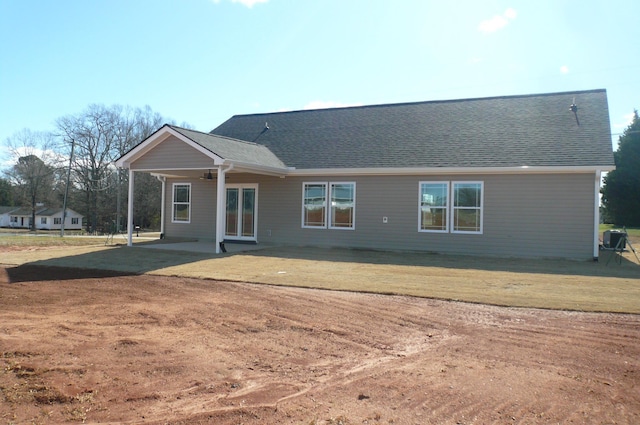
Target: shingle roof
{"x": 50, "y": 211}
{"x": 234, "y": 150}
{"x": 513, "y": 131}
{"x": 40, "y": 211}
{"x": 27, "y": 211}
{"x": 4, "y": 210}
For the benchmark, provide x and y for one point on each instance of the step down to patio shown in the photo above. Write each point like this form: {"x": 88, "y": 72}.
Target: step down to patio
{"x": 226, "y": 241}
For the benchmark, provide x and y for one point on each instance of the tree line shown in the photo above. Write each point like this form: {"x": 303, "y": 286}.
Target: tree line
{"x": 73, "y": 166}
{"x": 621, "y": 187}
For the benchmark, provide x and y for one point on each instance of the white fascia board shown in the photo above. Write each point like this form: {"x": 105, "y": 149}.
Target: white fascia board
{"x": 239, "y": 167}
{"x": 447, "y": 170}
{"x": 155, "y": 139}
{"x": 163, "y": 172}
{"x": 258, "y": 169}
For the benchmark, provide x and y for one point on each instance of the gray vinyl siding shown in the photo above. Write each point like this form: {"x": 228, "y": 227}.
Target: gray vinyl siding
{"x": 173, "y": 154}
{"x": 523, "y": 216}
{"x": 203, "y": 211}
{"x": 539, "y": 215}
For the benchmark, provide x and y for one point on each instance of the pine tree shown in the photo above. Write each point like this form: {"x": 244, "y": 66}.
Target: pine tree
{"x": 621, "y": 189}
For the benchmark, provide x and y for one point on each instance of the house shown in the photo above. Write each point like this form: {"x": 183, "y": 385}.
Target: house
{"x": 5, "y": 215}
{"x": 46, "y": 218}
{"x": 505, "y": 176}
{"x": 51, "y": 219}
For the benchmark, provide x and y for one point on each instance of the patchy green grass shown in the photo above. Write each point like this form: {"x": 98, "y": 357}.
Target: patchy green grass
{"x": 50, "y": 240}
{"x": 632, "y": 232}
{"x": 604, "y": 286}
{"x": 611, "y": 285}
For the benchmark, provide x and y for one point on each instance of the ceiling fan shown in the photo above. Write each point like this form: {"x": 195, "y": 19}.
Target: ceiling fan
{"x": 207, "y": 176}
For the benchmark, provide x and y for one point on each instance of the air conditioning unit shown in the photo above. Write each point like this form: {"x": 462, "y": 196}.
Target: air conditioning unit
{"x": 614, "y": 239}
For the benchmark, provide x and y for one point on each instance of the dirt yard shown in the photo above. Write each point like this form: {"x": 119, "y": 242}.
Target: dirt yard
{"x": 82, "y": 346}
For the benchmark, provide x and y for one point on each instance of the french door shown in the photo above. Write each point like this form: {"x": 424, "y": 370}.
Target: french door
{"x": 241, "y": 218}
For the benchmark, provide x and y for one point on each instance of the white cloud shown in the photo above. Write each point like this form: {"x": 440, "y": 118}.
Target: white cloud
{"x": 564, "y": 69}
{"x": 628, "y": 119}
{"x": 248, "y": 3}
{"x": 498, "y": 22}
{"x": 322, "y": 104}
{"x": 510, "y": 13}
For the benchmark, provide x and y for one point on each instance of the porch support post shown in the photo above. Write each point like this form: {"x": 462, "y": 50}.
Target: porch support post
{"x": 163, "y": 196}
{"x": 596, "y": 215}
{"x": 130, "y": 210}
{"x": 220, "y": 207}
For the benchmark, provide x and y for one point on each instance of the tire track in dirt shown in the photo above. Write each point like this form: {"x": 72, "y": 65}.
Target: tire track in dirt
{"x": 173, "y": 350}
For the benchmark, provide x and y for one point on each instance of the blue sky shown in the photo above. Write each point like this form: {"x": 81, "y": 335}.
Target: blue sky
{"x": 202, "y": 61}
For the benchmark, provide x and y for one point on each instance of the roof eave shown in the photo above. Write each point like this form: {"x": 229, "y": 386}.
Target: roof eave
{"x": 156, "y": 138}
{"x": 450, "y": 170}
{"x": 258, "y": 169}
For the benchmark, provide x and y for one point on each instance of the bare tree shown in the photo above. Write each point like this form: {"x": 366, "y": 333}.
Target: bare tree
{"x": 93, "y": 135}
{"x": 99, "y": 136}
{"x": 137, "y": 125}
{"x": 34, "y": 173}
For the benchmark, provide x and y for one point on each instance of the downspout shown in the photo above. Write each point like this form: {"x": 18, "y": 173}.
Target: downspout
{"x": 596, "y": 216}
{"x": 162, "y": 180}
{"x": 130, "y": 210}
{"x": 220, "y": 206}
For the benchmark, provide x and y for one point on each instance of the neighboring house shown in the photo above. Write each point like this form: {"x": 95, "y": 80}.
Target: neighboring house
{"x": 5, "y": 215}
{"x": 51, "y": 219}
{"x": 506, "y": 176}
{"x": 46, "y": 219}
{"x": 21, "y": 218}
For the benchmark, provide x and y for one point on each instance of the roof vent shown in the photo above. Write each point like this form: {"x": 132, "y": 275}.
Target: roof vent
{"x": 574, "y": 108}
{"x": 264, "y": 130}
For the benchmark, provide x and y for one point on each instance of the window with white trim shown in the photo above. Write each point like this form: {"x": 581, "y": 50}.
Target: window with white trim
{"x": 329, "y": 205}
{"x": 434, "y": 206}
{"x": 181, "y": 203}
{"x": 467, "y": 207}
{"x": 43, "y": 220}
{"x": 455, "y": 207}
{"x": 314, "y": 205}
{"x": 343, "y": 207}
{"x": 57, "y": 220}
{"x": 74, "y": 220}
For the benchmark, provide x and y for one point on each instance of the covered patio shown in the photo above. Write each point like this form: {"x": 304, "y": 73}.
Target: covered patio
{"x": 174, "y": 154}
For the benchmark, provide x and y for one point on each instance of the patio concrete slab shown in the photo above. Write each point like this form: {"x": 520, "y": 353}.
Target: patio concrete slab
{"x": 206, "y": 247}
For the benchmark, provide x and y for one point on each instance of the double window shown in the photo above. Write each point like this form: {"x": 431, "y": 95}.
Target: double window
{"x": 181, "y": 203}
{"x": 57, "y": 220}
{"x": 329, "y": 205}
{"x": 454, "y": 207}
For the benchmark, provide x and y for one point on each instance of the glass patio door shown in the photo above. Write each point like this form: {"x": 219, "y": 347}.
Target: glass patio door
{"x": 241, "y": 217}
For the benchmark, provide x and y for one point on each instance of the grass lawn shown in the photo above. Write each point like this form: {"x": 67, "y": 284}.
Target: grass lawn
{"x": 49, "y": 240}
{"x": 632, "y": 232}
{"x": 610, "y": 286}
{"x": 44, "y": 239}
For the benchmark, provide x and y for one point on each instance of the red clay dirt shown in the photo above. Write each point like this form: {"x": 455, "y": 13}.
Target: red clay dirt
{"x": 95, "y": 347}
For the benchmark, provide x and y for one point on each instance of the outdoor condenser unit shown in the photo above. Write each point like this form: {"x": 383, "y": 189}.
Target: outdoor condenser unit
{"x": 611, "y": 238}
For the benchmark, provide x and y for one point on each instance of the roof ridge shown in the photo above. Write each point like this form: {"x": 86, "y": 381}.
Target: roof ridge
{"x": 178, "y": 128}
{"x": 386, "y": 105}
